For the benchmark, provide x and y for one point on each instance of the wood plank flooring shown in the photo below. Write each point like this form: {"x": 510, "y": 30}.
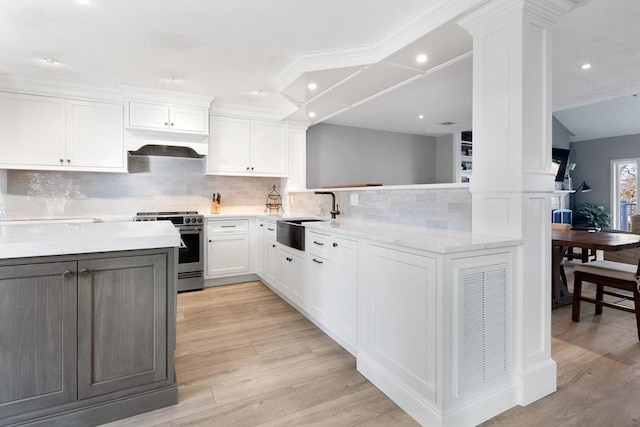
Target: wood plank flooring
{"x": 244, "y": 357}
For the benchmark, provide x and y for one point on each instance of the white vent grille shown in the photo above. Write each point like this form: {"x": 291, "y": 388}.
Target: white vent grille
{"x": 483, "y": 354}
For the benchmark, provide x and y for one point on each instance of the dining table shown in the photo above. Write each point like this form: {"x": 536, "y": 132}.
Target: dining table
{"x": 587, "y": 240}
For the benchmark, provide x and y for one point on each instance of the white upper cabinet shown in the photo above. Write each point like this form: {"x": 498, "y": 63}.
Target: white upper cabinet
{"x": 247, "y": 147}
{"x": 48, "y": 133}
{"x": 162, "y": 117}
{"x": 94, "y": 135}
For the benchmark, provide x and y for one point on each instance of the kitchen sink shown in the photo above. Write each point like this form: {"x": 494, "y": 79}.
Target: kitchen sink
{"x": 290, "y": 232}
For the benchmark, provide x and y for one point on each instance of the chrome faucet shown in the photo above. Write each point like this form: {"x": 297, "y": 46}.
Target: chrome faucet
{"x": 334, "y": 211}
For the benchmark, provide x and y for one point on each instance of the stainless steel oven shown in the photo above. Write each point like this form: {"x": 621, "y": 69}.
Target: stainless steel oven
{"x": 191, "y": 251}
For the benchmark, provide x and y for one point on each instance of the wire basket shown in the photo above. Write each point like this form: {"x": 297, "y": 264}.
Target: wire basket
{"x": 274, "y": 201}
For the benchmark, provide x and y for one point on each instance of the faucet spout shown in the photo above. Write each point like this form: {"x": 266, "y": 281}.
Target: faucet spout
{"x": 334, "y": 210}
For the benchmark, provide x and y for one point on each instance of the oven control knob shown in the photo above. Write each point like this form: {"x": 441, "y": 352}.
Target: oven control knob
{"x": 199, "y": 219}
{"x": 187, "y": 220}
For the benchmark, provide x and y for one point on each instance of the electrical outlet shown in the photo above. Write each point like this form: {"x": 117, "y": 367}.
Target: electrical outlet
{"x": 354, "y": 199}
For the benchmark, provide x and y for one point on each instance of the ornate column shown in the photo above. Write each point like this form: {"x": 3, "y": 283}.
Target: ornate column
{"x": 512, "y": 179}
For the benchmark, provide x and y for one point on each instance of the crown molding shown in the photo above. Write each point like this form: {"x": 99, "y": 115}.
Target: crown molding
{"x": 166, "y": 96}
{"x": 10, "y": 83}
{"x": 428, "y": 19}
{"x": 244, "y": 110}
{"x": 545, "y": 11}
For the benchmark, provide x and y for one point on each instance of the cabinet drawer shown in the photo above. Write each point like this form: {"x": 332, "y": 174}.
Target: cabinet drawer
{"x": 228, "y": 226}
{"x": 318, "y": 244}
{"x": 270, "y": 230}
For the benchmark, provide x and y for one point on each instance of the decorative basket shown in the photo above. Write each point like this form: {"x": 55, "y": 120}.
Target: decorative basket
{"x": 274, "y": 201}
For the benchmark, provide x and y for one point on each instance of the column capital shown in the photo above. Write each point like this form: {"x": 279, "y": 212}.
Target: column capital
{"x": 483, "y": 18}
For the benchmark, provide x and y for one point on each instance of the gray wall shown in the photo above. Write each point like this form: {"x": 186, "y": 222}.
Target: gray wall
{"x": 444, "y": 160}
{"x": 593, "y": 165}
{"x": 560, "y": 135}
{"x": 339, "y": 155}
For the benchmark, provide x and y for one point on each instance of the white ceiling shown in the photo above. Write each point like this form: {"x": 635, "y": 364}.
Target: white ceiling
{"x": 228, "y": 49}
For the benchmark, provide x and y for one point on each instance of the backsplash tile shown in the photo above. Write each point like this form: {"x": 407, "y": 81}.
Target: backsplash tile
{"x": 152, "y": 184}
{"x": 446, "y": 208}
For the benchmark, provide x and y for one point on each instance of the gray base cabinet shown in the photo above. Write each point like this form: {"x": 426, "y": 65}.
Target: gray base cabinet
{"x": 80, "y": 333}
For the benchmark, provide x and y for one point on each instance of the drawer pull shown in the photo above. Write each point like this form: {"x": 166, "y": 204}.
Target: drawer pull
{"x": 228, "y": 226}
{"x": 273, "y": 246}
{"x": 335, "y": 245}
{"x": 261, "y": 225}
{"x": 67, "y": 273}
{"x": 318, "y": 243}
{"x": 84, "y": 271}
{"x": 270, "y": 229}
{"x": 319, "y": 262}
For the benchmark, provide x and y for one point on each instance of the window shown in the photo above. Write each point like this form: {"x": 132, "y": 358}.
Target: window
{"x": 624, "y": 194}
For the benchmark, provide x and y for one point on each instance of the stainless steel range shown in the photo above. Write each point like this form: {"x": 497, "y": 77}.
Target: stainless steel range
{"x": 191, "y": 252}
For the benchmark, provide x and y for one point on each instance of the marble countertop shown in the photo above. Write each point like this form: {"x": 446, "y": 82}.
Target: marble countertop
{"x": 20, "y": 239}
{"x": 422, "y": 238}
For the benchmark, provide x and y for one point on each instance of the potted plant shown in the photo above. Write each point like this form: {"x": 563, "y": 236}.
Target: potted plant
{"x": 591, "y": 215}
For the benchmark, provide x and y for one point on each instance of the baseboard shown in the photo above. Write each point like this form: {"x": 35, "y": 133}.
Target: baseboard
{"x": 537, "y": 382}
{"x": 230, "y": 280}
{"x": 101, "y": 413}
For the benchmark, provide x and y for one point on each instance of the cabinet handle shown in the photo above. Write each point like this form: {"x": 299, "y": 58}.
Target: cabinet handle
{"x": 68, "y": 160}
{"x": 261, "y": 225}
{"x": 210, "y": 241}
{"x": 228, "y": 226}
{"x": 252, "y": 168}
{"x": 270, "y": 229}
{"x": 319, "y": 262}
{"x": 247, "y": 167}
{"x": 84, "y": 271}
{"x": 318, "y": 243}
{"x": 67, "y": 273}
{"x": 61, "y": 160}
{"x": 273, "y": 246}
{"x": 335, "y": 245}
{"x": 171, "y": 124}
{"x": 166, "y": 123}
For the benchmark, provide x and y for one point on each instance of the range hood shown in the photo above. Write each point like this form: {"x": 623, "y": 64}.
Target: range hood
{"x": 169, "y": 145}
{"x": 167, "y": 151}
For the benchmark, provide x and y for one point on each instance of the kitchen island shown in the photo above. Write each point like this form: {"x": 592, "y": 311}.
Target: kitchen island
{"x": 88, "y": 321}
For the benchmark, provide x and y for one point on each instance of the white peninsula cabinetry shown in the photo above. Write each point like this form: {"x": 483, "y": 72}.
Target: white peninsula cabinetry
{"x": 49, "y": 133}
{"x": 247, "y": 147}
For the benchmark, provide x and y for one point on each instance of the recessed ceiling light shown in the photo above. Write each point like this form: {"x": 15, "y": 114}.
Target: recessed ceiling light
{"x": 421, "y": 59}
{"x": 311, "y": 114}
{"x": 172, "y": 78}
{"x": 586, "y": 66}
{"x": 421, "y": 116}
{"x": 312, "y": 86}
{"x": 259, "y": 92}
{"x": 50, "y": 60}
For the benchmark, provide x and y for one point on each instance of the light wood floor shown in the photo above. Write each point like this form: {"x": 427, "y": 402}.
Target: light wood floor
{"x": 246, "y": 358}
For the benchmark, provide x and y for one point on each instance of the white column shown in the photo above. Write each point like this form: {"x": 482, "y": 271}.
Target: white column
{"x": 512, "y": 180}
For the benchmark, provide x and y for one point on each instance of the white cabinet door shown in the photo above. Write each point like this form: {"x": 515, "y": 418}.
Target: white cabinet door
{"x": 344, "y": 290}
{"x": 187, "y": 119}
{"x": 260, "y": 227}
{"x": 32, "y": 130}
{"x": 94, "y": 135}
{"x": 227, "y": 255}
{"x": 229, "y": 146}
{"x": 318, "y": 296}
{"x": 155, "y": 116}
{"x": 271, "y": 262}
{"x": 291, "y": 280}
{"x": 269, "y": 148}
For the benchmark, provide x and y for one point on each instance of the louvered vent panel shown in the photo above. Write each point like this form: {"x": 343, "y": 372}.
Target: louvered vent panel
{"x": 484, "y": 322}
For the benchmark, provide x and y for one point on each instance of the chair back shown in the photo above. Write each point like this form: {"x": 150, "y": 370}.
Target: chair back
{"x": 561, "y": 216}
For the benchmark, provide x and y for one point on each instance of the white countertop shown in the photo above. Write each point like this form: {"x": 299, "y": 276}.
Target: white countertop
{"x": 26, "y": 239}
{"x": 422, "y": 238}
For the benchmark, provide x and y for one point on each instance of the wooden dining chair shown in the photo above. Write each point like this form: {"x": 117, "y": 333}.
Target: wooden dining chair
{"x": 608, "y": 275}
